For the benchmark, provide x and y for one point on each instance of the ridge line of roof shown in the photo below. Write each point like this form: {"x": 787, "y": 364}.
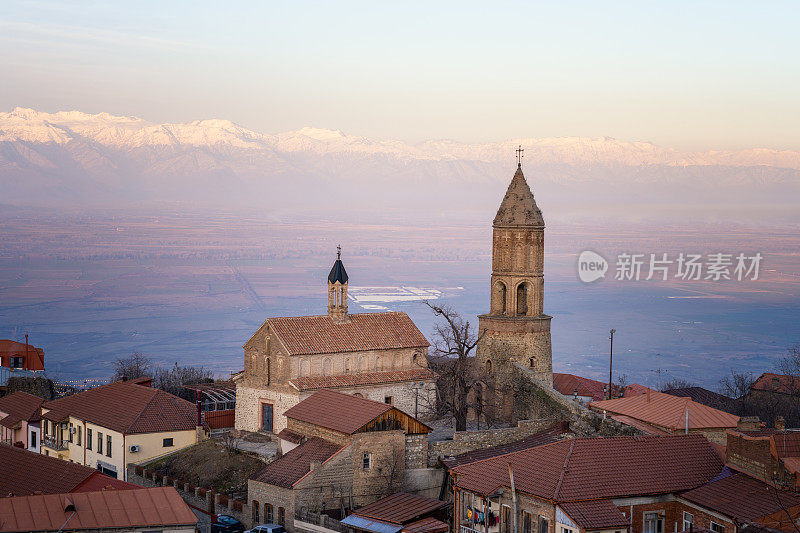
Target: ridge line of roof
{"x": 512, "y": 453}
{"x": 564, "y": 468}
{"x": 334, "y": 454}
{"x": 327, "y": 316}
{"x": 141, "y": 412}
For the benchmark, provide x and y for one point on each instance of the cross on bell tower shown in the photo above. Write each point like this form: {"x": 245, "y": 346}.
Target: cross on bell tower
{"x": 520, "y": 155}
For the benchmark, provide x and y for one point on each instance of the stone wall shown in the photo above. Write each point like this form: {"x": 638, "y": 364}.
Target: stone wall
{"x": 248, "y": 406}
{"x": 416, "y": 451}
{"x": 313, "y": 430}
{"x": 272, "y": 497}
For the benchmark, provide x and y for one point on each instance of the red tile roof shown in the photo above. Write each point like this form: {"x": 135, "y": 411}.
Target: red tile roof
{"x": 601, "y": 468}
{"x": 567, "y": 383}
{"x": 667, "y": 411}
{"x": 644, "y": 427}
{"x": 360, "y": 380}
{"x": 153, "y": 507}
{"x": 295, "y": 464}
{"x": 23, "y": 472}
{"x": 706, "y": 397}
{"x": 781, "y": 383}
{"x": 127, "y": 408}
{"x": 742, "y": 497}
{"x": 559, "y": 431}
{"x": 9, "y": 348}
{"x": 290, "y": 436}
{"x": 305, "y": 335}
{"x": 11, "y": 421}
{"x": 785, "y": 444}
{"x": 337, "y": 411}
{"x": 426, "y": 525}
{"x": 400, "y": 508}
{"x": 22, "y": 405}
{"x": 595, "y": 514}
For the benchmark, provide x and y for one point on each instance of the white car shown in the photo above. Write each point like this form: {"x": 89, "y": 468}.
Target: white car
{"x": 267, "y": 528}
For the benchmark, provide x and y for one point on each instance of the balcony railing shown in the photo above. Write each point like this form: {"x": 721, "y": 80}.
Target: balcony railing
{"x": 54, "y": 444}
{"x": 467, "y": 529}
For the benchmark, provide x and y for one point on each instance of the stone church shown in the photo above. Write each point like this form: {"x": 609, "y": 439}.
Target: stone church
{"x": 378, "y": 356}
{"x": 516, "y": 328}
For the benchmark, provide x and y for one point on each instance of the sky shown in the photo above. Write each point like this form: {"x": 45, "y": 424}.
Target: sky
{"x": 691, "y": 75}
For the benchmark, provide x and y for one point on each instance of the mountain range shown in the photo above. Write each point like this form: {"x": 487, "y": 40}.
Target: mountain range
{"x": 74, "y": 159}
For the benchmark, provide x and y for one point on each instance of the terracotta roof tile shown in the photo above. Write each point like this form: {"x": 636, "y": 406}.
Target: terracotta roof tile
{"x": 741, "y": 497}
{"x": 156, "y": 506}
{"x": 668, "y": 411}
{"x": 785, "y": 444}
{"x": 548, "y": 436}
{"x": 595, "y": 514}
{"x": 305, "y": 335}
{"x": 290, "y": 436}
{"x": 400, "y": 508}
{"x": 337, "y": 411}
{"x": 10, "y": 421}
{"x": 426, "y": 525}
{"x": 22, "y": 405}
{"x": 361, "y": 379}
{"x": 601, "y": 468}
{"x": 292, "y": 466}
{"x": 127, "y": 408}
{"x": 587, "y": 387}
{"x": 781, "y": 383}
{"x": 23, "y": 472}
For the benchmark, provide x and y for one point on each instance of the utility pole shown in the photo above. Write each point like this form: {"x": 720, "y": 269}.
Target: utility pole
{"x": 610, "y": 364}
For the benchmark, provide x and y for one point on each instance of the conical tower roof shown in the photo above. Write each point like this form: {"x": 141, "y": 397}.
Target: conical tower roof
{"x": 518, "y": 207}
{"x": 338, "y": 273}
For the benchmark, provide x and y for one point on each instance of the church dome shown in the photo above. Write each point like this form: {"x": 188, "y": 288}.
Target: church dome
{"x": 519, "y": 207}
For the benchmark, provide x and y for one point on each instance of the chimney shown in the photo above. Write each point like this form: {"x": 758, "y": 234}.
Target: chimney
{"x": 648, "y": 394}
{"x": 749, "y": 423}
{"x": 780, "y": 424}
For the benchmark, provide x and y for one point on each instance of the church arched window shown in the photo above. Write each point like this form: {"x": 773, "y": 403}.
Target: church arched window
{"x": 305, "y": 368}
{"x": 347, "y": 366}
{"x": 269, "y": 371}
{"x": 326, "y": 367}
{"x": 500, "y": 297}
{"x": 377, "y": 364}
{"x": 362, "y": 363}
{"x": 489, "y": 366}
{"x": 522, "y": 299}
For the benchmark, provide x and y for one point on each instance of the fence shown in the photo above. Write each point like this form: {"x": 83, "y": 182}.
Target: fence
{"x": 219, "y": 419}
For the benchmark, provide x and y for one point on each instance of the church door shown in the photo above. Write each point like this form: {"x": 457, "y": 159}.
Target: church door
{"x": 266, "y": 417}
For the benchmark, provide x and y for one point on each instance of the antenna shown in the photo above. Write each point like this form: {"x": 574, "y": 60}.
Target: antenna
{"x": 659, "y": 371}
{"x": 520, "y": 155}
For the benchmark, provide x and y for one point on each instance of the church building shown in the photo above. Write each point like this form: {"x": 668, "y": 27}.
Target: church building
{"x": 378, "y": 356}
{"x": 516, "y": 329}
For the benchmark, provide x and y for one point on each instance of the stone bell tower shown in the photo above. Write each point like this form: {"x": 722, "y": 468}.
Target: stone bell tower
{"x": 337, "y": 289}
{"x": 516, "y": 327}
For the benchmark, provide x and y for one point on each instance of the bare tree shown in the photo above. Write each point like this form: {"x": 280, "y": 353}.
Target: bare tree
{"x": 454, "y": 362}
{"x": 677, "y": 383}
{"x": 173, "y": 380}
{"x": 391, "y": 468}
{"x": 134, "y": 366}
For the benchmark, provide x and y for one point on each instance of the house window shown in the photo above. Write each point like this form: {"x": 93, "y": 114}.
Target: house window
{"x": 268, "y": 517}
{"x": 71, "y": 432}
{"x": 99, "y": 443}
{"x": 527, "y": 522}
{"x": 544, "y": 525}
{"x": 366, "y": 461}
{"x": 388, "y": 399}
{"x": 88, "y": 438}
{"x": 108, "y": 445}
{"x": 281, "y": 515}
{"x": 506, "y": 519}
{"x": 256, "y": 518}
{"x": 653, "y": 523}
{"x": 167, "y": 443}
{"x": 717, "y": 528}
{"x": 688, "y": 520}
{"x": 34, "y": 441}
{"x": 17, "y": 362}
{"x": 79, "y": 435}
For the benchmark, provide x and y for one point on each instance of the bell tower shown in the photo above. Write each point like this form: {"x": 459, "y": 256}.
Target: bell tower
{"x": 516, "y": 328}
{"x": 337, "y": 289}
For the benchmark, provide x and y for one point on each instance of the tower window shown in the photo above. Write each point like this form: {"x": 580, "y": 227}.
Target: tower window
{"x": 532, "y": 361}
{"x": 488, "y": 366}
{"x": 522, "y": 299}
{"x": 501, "y": 297}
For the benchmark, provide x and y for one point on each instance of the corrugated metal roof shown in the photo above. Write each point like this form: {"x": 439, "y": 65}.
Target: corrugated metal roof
{"x": 152, "y": 507}
{"x": 668, "y": 411}
{"x": 370, "y": 524}
{"x": 304, "y": 335}
{"x": 400, "y": 508}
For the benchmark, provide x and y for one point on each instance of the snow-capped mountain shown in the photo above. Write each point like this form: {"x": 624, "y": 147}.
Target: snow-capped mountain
{"x": 74, "y": 157}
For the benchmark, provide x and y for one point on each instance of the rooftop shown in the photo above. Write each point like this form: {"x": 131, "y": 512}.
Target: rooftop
{"x": 599, "y": 468}
{"x": 361, "y": 379}
{"x": 780, "y": 383}
{"x": 127, "y": 408}
{"x": 400, "y": 508}
{"x": 518, "y": 207}
{"x": 706, "y": 397}
{"x": 566, "y": 384}
{"x": 291, "y": 467}
{"x": 9, "y": 348}
{"x": 23, "y": 472}
{"x": 595, "y": 514}
{"x": 305, "y": 335}
{"x": 152, "y": 507}
{"x": 667, "y": 411}
{"x": 22, "y": 406}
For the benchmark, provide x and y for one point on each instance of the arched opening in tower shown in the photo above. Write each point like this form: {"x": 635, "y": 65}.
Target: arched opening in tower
{"x": 522, "y": 299}
{"x": 500, "y": 298}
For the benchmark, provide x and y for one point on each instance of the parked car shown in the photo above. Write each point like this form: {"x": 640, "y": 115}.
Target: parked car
{"x": 226, "y": 524}
{"x": 267, "y": 528}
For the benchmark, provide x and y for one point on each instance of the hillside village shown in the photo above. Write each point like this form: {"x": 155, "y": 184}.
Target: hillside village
{"x": 357, "y": 422}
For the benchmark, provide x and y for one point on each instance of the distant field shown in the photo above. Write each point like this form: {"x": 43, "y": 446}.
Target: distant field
{"x": 192, "y": 288}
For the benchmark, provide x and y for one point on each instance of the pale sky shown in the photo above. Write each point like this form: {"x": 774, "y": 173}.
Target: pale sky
{"x": 693, "y": 75}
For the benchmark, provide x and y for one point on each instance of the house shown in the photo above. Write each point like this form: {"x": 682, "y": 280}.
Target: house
{"x": 123, "y": 422}
{"x": 19, "y": 420}
{"x": 769, "y": 454}
{"x": 770, "y": 383}
{"x": 23, "y": 473}
{"x": 731, "y": 499}
{"x": 401, "y": 513}
{"x": 21, "y": 355}
{"x": 658, "y": 413}
{"x": 144, "y": 509}
{"x": 347, "y": 452}
{"x": 579, "y": 485}
{"x": 589, "y": 390}
{"x": 706, "y": 397}
{"x": 380, "y": 356}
